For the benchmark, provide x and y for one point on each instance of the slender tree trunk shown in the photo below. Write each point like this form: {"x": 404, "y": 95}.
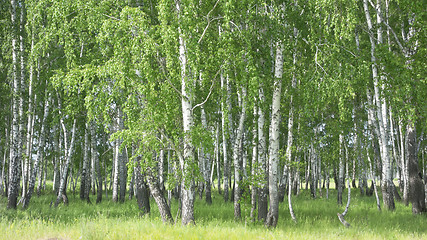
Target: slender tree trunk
{"x": 374, "y": 184}
{"x": 237, "y": 153}
{"x": 273, "y": 161}
{"x": 15, "y": 135}
{"x": 291, "y": 209}
{"x": 341, "y": 170}
{"x": 290, "y": 131}
{"x": 84, "y": 186}
{"x": 207, "y": 164}
{"x": 95, "y": 160}
{"x": 218, "y": 157}
{"x": 3, "y": 178}
{"x": 187, "y": 159}
{"x": 225, "y": 138}
{"x": 387, "y": 181}
{"x": 39, "y": 155}
{"x": 30, "y": 128}
{"x": 56, "y": 164}
{"x": 262, "y": 167}
{"x": 254, "y": 164}
{"x": 69, "y": 152}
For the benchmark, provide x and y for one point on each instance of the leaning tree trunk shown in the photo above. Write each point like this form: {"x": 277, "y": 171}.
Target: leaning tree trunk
{"x": 40, "y": 152}
{"x": 273, "y": 161}
{"x": 158, "y": 196}
{"x": 69, "y": 152}
{"x": 237, "y": 153}
{"x": 416, "y": 186}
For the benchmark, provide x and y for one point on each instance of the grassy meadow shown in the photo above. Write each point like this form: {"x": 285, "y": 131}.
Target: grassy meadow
{"x": 317, "y": 219}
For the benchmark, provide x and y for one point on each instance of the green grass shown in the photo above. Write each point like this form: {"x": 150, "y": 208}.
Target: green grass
{"x": 317, "y": 219}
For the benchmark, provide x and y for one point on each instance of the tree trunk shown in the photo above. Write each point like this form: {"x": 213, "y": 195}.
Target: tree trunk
{"x": 158, "y": 196}
{"x": 237, "y": 153}
{"x": 341, "y": 170}
{"x": 95, "y": 160}
{"x": 142, "y": 192}
{"x": 207, "y": 164}
{"x": 273, "y": 161}
{"x": 262, "y": 167}
{"x": 374, "y": 184}
{"x": 186, "y": 161}
{"x": 224, "y": 141}
{"x": 218, "y": 157}
{"x": 39, "y": 155}
{"x": 254, "y": 167}
{"x": 68, "y": 153}
{"x": 387, "y": 181}
{"x": 15, "y": 139}
{"x": 85, "y": 177}
{"x": 416, "y": 186}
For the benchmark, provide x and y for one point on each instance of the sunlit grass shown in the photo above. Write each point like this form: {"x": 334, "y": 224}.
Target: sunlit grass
{"x": 317, "y": 219}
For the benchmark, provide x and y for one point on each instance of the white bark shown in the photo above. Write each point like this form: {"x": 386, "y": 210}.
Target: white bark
{"x": 68, "y": 153}
{"x": 207, "y": 162}
{"x": 237, "y": 153}
{"x": 187, "y": 117}
{"x": 341, "y": 170}
{"x": 40, "y": 152}
{"x": 254, "y": 164}
{"x": 387, "y": 180}
{"x": 262, "y": 168}
{"x": 15, "y": 136}
{"x": 273, "y": 161}
{"x": 224, "y": 143}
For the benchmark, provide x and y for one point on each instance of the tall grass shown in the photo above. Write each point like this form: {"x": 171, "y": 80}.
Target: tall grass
{"x": 317, "y": 219}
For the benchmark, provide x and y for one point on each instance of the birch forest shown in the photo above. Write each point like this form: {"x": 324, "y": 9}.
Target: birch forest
{"x": 172, "y": 102}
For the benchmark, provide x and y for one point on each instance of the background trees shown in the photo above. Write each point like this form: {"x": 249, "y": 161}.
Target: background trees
{"x": 99, "y": 91}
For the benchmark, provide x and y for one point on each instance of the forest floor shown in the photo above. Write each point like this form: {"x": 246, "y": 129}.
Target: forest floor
{"x": 316, "y": 219}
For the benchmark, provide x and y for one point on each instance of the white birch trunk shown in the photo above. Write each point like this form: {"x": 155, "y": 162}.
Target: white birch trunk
{"x": 15, "y": 136}
{"x": 341, "y": 171}
{"x": 262, "y": 168}
{"x": 254, "y": 164}
{"x": 187, "y": 117}
{"x": 207, "y": 163}
{"x": 68, "y": 153}
{"x": 40, "y": 152}
{"x": 224, "y": 143}
{"x": 387, "y": 182}
{"x": 273, "y": 161}
{"x": 237, "y": 153}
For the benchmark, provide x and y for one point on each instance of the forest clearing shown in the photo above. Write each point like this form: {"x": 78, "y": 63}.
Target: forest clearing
{"x": 213, "y": 119}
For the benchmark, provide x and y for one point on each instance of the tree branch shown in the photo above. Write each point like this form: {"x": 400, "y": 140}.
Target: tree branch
{"x": 210, "y": 91}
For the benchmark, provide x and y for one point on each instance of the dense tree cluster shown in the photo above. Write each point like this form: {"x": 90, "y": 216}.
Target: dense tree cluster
{"x": 254, "y": 98}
